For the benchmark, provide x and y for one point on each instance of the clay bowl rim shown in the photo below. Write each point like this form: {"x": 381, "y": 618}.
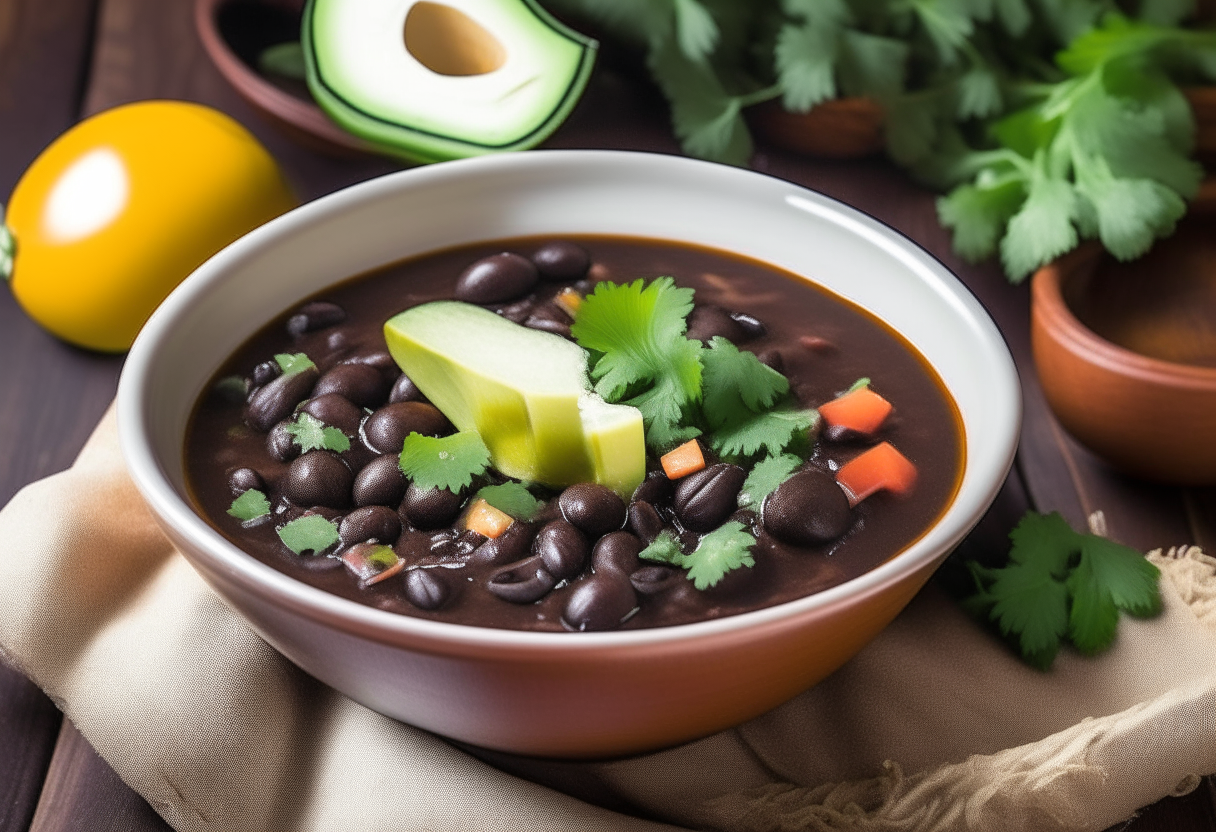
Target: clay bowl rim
{"x": 272, "y": 102}
{"x": 985, "y": 468}
{"x": 1061, "y": 323}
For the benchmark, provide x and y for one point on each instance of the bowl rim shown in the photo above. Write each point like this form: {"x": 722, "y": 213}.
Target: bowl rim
{"x": 1061, "y": 323}
{"x": 222, "y": 559}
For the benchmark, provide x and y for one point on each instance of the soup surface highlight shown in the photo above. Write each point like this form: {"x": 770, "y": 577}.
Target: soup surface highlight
{"x": 295, "y": 459}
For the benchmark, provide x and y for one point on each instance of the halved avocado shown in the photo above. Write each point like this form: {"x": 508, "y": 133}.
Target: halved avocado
{"x": 429, "y": 80}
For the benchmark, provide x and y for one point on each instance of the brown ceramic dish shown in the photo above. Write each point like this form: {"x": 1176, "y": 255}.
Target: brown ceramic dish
{"x": 233, "y": 33}
{"x": 1126, "y": 352}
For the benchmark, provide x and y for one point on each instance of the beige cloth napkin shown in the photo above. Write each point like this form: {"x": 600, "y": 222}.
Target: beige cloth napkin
{"x": 934, "y": 726}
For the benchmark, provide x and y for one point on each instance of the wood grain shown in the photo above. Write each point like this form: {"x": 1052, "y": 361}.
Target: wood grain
{"x": 83, "y": 794}
{"x": 44, "y": 47}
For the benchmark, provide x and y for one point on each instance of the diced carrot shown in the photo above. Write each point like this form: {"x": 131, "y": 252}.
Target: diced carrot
{"x": 569, "y": 300}
{"x": 877, "y": 469}
{"x": 863, "y": 410}
{"x": 372, "y": 562}
{"x": 684, "y": 460}
{"x": 484, "y": 519}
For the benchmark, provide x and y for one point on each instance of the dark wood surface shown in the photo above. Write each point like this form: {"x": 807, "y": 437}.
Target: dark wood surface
{"x": 61, "y": 60}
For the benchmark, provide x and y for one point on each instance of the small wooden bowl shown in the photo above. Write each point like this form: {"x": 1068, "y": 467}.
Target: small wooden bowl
{"x": 843, "y": 128}
{"x": 262, "y": 23}
{"x": 1142, "y": 394}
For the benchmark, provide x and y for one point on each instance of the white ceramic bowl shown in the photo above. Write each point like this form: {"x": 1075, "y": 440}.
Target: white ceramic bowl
{"x": 561, "y": 694}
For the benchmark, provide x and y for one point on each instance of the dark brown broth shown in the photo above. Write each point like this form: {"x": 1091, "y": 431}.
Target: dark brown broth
{"x": 925, "y": 426}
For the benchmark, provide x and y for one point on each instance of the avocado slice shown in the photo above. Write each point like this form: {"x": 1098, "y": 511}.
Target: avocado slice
{"x": 526, "y": 392}
{"x": 429, "y": 80}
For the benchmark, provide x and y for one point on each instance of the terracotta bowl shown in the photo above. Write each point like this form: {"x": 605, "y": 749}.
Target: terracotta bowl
{"x": 1126, "y": 352}
{"x": 563, "y": 694}
{"x": 843, "y": 128}
{"x": 233, "y": 33}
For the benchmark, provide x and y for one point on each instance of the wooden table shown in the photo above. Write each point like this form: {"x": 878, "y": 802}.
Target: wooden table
{"x": 61, "y": 60}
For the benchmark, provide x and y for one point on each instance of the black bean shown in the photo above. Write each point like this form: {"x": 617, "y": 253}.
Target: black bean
{"x": 360, "y": 384}
{"x": 241, "y": 480}
{"x": 404, "y": 390}
{"x": 370, "y": 523}
{"x": 617, "y": 551}
{"x": 548, "y": 325}
{"x": 601, "y": 602}
{"x": 595, "y": 509}
{"x": 518, "y": 311}
{"x": 277, "y": 400}
{"x": 704, "y": 499}
{"x": 319, "y": 478}
{"x": 752, "y": 327}
{"x": 379, "y": 483}
{"x": 265, "y": 373}
{"x": 431, "y": 508}
{"x": 497, "y": 278}
{"x": 644, "y": 521}
{"x": 707, "y": 321}
{"x": 562, "y": 548}
{"x": 651, "y": 580}
{"x": 281, "y": 444}
{"x": 380, "y": 359}
{"x": 561, "y": 260}
{"x": 426, "y": 590}
{"x": 656, "y": 489}
{"x": 806, "y": 509}
{"x": 313, "y": 316}
{"x": 522, "y": 582}
{"x": 511, "y": 545}
{"x": 333, "y": 409}
{"x": 772, "y": 358}
{"x": 387, "y": 428}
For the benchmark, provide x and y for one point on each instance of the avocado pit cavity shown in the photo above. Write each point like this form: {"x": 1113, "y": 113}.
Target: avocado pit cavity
{"x": 448, "y": 42}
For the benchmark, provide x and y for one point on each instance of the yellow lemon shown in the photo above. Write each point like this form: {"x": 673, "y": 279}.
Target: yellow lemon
{"x": 122, "y": 207}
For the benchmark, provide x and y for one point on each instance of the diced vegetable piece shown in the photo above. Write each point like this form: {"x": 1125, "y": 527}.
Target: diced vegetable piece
{"x": 862, "y": 410}
{"x": 880, "y": 468}
{"x": 484, "y": 519}
{"x": 372, "y": 562}
{"x": 684, "y": 460}
{"x": 569, "y": 300}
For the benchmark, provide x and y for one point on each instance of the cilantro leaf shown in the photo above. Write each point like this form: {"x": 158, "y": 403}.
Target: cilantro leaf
{"x": 250, "y": 505}
{"x": 1042, "y": 228}
{"x": 310, "y": 533}
{"x": 977, "y": 214}
{"x": 707, "y": 119}
{"x": 512, "y": 498}
{"x": 294, "y": 362}
{"x": 872, "y": 65}
{"x": 1060, "y": 583}
{"x": 805, "y": 58}
{"x": 764, "y": 478}
{"x": 726, "y": 548}
{"x": 665, "y": 548}
{"x": 645, "y": 360}
{"x": 736, "y": 385}
{"x": 448, "y": 462}
{"x": 696, "y": 31}
{"x": 772, "y": 431}
{"x": 311, "y": 434}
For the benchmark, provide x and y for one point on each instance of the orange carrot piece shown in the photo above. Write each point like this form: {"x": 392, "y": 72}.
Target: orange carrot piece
{"x": 484, "y": 519}
{"x": 863, "y": 410}
{"x": 684, "y": 460}
{"x": 880, "y": 468}
{"x": 569, "y": 300}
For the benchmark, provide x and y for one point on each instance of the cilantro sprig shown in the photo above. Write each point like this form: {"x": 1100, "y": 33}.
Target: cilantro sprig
{"x": 1062, "y": 585}
{"x": 645, "y": 360}
{"x": 726, "y": 548}
{"x": 641, "y": 357}
{"x": 250, "y": 505}
{"x": 512, "y": 498}
{"x": 309, "y": 533}
{"x": 448, "y": 462}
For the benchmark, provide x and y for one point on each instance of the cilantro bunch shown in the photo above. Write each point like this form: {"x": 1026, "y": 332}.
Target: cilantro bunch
{"x": 1060, "y": 584}
{"x": 641, "y": 357}
{"x": 1046, "y": 122}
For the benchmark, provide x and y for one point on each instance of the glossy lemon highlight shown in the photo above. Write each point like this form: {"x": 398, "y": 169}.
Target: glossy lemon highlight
{"x": 122, "y": 207}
